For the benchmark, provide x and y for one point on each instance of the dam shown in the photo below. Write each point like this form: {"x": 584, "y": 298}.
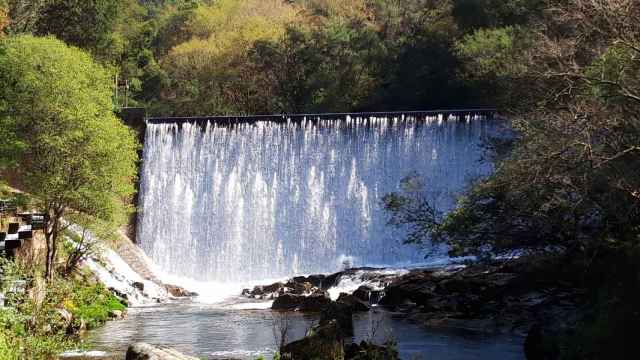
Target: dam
{"x": 232, "y": 199}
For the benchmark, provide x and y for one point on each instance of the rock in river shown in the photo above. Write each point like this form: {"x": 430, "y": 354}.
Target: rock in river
{"x": 322, "y": 343}
{"x": 312, "y": 303}
{"x": 143, "y": 351}
{"x": 179, "y": 292}
{"x": 354, "y": 303}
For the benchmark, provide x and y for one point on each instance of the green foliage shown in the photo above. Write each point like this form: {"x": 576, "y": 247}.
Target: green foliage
{"x": 63, "y": 139}
{"x": 571, "y": 80}
{"x": 329, "y": 69}
{"x": 211, "y": 73}
{"x": 24, "y": 15}
{"x": 410, "y": 209}
{"x": 188, "y": 57}
{"x": 572, "y": 177}
{"x": 493, "y": 51}
{"x": 614, "y": 76}
{"x": 73, "y": 148}
{"x": 84, "y": 23}
{"x": 20, "y": 200}
{"x": 41, "y": 323}
{"x": 370, "y": 351}
{"x": 89, "y": 304}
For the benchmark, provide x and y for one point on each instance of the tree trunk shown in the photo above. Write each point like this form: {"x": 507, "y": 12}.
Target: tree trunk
{"x": 51, "y": 236}
{"x": 50, "y": 242}
{"x": 48, "y": 271}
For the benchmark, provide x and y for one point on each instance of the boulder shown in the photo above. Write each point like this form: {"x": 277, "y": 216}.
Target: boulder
{"x": 366, "y": 350}
{"x": 315, "y": 280}
{"x": 296, "y": 286}
{"x": 138, "y": 285}
{"x": 369, "y": 295}
{"x": 118, "y": 293}
{"x": 342, "y": 315}
{"x": 264, "y": 292}
{"x": 364, "y": 293}
{"x": 364, "y": 273}
{"x": 67, "y": 317}
{"x": 177, "y": 291}
{"x": 299, "y": 288}
{"x": 414, "y": 288}
{"x": 143, "y": 351}
{"x": 323, "y": 342}
{"x": 312, "y": 303}
{"x": 315, "y": 302}
{"x": 354, "y": 303}
{"x": 287, "y": 302}
{"x": 116, "y": 314}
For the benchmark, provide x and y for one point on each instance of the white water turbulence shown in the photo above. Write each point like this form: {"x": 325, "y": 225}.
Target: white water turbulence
{"x": 116, "y": 274}
{"x": 254, "y": 200}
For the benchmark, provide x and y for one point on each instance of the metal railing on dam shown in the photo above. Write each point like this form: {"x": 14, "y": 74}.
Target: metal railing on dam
{"x": 234, "y": 119}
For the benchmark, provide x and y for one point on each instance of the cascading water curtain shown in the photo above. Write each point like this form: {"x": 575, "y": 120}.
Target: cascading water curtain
{"x": 263, "y": 200}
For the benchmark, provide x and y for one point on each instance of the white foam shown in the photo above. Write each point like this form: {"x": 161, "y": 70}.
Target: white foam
{"x": 251, "y": 306}
{"x": 241, "y": 353}
{"x": 351, "y": 283}
{"x": 209, "y": 292}
{"x": 78, "y": 353}
{"x": 115, "y": 273}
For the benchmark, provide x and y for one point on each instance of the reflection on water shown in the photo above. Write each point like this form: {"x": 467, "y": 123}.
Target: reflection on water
{"x": 216, "y": 333}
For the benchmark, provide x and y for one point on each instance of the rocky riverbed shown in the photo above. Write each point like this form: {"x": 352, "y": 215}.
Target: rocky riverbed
{"x": 507, "y": 296}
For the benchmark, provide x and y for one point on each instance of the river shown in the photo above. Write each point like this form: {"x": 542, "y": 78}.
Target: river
{"x": 227, "y": 331}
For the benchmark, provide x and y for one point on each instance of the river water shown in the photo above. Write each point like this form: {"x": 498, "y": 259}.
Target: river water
{"x": 230, "y": 332}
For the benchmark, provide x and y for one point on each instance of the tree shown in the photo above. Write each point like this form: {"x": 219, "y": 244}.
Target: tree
{"x": 211, "y": 73}
{"x": 573, "y": 176}
{"x": 62, "y": 139}
{"x": 4, "y": 17}
{"x": 472, "y": 15}
{"x": 331, "y": 68}
{"x": 84, "y": 23}
{"x": 24, "y": 14}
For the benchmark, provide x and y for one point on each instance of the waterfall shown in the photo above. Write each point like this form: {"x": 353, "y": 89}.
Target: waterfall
{"x": 242, "y": 201}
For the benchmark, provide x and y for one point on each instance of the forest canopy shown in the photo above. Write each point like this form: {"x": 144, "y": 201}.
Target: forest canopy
{"x": 206, "y": 57}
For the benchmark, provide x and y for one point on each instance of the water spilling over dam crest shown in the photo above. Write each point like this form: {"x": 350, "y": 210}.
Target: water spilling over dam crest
{"x": 234, "y": 201}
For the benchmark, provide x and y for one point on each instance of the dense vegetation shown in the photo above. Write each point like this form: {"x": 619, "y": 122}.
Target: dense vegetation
{"x": 186, "y": 57}
{"x": 61, "y": 137}
{"x": 567, "y": 72}
{"x": 568, "y": 181}
{"x": 44, "y": 322}
{"x": 63, "y": 146}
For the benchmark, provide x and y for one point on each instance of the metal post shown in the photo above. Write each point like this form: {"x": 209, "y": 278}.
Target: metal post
{"x": 126, "y": 93}
{"x": 116, "y": 93}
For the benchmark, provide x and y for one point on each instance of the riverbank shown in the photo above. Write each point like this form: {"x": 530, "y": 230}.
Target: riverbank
{"x": 42, "y": 320}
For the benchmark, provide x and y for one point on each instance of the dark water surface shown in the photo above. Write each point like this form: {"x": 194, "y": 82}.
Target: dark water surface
{"x": 216, "y": 332}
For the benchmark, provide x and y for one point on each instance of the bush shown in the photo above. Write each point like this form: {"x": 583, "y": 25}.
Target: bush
{"x": 93, "y": 304}
{"x": 40, "y": 330}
